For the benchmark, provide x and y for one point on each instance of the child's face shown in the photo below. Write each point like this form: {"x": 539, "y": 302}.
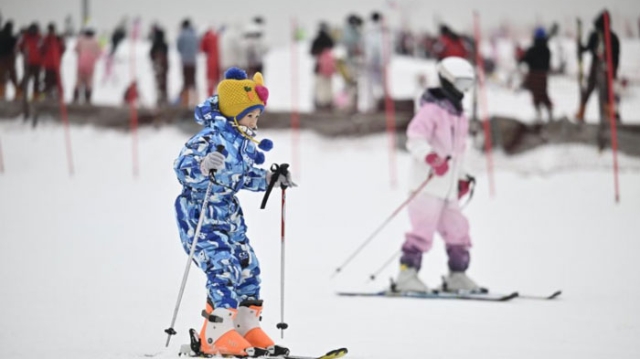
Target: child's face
{"x": 250, "y": 119}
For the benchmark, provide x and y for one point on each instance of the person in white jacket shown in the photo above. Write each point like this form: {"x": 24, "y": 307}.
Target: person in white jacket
{"x": 436, "y": 140}
{"x": 376, "y": 57}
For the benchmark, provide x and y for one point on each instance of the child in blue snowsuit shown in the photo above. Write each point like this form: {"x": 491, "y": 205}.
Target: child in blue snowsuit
{"x": 223, "y": 251}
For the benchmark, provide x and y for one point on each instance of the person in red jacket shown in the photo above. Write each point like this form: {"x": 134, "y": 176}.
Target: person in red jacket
{"x": 51, "y": 49}
{"x": 209, "y": 45}
{"x": 28, "y": 45}
{"x": 450, "y": 44}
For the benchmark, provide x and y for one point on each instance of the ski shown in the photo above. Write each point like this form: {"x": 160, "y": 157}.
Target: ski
{"x": 193, "y": 350}
{"x": 553, "y": 295}
{"x": 333, "y": 354}
{"x": 490, "y": 297}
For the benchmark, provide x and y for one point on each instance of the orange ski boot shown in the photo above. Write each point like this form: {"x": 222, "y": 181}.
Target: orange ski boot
{"x": 218, "y": 336}
{"x": 248, "y": 325}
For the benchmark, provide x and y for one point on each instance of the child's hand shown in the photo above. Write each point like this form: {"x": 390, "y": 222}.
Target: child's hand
{"x": 282, "y": 180}
{"x": 212, "y": 161}
{"x": 464, "y": 185}
{"x": 438, "y": 164}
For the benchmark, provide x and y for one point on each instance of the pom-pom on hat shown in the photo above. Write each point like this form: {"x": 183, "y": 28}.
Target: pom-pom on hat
{"x": 239, "y": 95}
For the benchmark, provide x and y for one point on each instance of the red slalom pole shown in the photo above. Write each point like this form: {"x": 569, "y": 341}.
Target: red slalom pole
{"x": 389, "y": 106}
{"x": 295, "y": 115}
{"x": 133, "y": 103}
{"x": 63, "y": 110}
{"x": 488, "y": 147}
{"x": 612, "y": 105}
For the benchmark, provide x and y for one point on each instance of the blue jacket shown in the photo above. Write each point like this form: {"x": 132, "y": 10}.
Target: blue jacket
{"x": 187, "y": 45}
{"x": 239, "y": 172}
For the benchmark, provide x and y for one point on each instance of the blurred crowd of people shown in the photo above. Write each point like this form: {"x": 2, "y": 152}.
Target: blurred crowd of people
{"x": 357, "y": 51}
{"x": 365, "y": 51}
{"x": 41, "y": 56}
{"x": 41, "y": 59}
{"x": 367, "y": 44}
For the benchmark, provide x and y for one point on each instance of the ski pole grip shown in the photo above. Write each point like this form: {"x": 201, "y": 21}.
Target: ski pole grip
{"x": 284, "y": 170}
{"x": 276, "y": 171}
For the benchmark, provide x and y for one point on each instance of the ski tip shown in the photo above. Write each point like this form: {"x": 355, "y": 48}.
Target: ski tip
{"x": 334, "y": 354}
{"x": 555, "y": 294}
{"x": 347, "y": 294}
{"x": 361, "y": 294}
{"x": 509, "y": 296}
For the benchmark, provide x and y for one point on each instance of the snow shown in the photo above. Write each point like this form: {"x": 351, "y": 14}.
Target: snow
{"x": 91, "y": 263}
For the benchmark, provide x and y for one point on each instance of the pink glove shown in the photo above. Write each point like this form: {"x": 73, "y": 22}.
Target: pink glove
{"x": 463, "y": 188}
{"x": 464, "y": 185}
{"x": 438, "y": 164}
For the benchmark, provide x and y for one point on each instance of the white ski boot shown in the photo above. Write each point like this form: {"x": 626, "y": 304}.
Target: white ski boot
{"x": 459, "y": 282}
{"x": 408, "y": 281}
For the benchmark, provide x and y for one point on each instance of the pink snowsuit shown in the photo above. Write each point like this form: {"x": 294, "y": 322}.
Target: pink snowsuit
{"x": 441, "y": 128}
{"x": 88, "y": 51}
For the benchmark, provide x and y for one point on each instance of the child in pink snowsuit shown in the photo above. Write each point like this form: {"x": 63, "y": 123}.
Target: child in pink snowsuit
{"x": 436, "y": 140}
{"x": 88, "y": 51}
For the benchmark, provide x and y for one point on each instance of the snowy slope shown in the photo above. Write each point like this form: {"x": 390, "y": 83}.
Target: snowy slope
{"x": 91, "y": 263}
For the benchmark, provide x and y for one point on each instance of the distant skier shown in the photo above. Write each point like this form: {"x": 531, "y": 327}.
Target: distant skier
{"x": 51, "y": 49}
{"x": 209, "y": 44}
{"x": 436, "y": 140}
{"x": 88, "y": 50}
{"x": 29, "y": 46}
{"x": 188, "y": 45}
{"x": 597, "y": 71}
{"x": 450, "y": 44}
{"x": 223, "y": 251}
{"x": 8, "y": 47}
{"x": 253, "y": 45}
{"x": 375, "y": 60}
{"x": 538, "y": 60}
{"x": 324, "y": 69}
{"x": 159, "y": 55}
{"x": 119, "y": 34}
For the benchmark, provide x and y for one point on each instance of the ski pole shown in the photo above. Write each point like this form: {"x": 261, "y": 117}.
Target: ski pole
{"x": 373, "y": 276}
{"x": 282, "y": 325}
{"x": 170, "y": 331}
{"x": 281, "y": 170}
{"x": 364, "y": 244}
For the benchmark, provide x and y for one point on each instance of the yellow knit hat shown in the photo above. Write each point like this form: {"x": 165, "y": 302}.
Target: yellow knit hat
{"x": 239, "y": 95}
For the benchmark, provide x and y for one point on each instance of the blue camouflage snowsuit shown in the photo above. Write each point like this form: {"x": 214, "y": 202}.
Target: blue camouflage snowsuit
{"x": 223, "y": 250}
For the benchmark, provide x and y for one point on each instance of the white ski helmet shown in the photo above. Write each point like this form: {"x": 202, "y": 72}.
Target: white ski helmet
{"x": 457, "y": 71}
